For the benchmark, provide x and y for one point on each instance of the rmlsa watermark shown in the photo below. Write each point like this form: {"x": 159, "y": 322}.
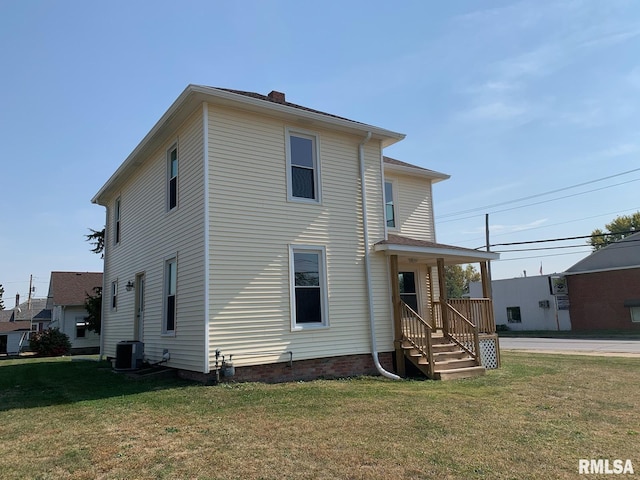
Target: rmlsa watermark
{"x": 605, "y": 466}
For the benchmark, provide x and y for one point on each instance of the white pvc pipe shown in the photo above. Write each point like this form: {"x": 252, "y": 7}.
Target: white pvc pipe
{"x": 367, "y": 265}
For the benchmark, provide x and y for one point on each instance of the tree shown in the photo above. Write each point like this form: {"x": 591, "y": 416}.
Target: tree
{"x": 458, "y": 279}
{"x": 617, "y": 229}
{"x": 96, "y": 238}
{"x": 93, "y": 305}
{"x": 1, "y": 294}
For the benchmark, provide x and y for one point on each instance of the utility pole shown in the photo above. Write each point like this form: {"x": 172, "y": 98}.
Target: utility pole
{"x": 31, "y": 287}
{"x": 486, "y": 234}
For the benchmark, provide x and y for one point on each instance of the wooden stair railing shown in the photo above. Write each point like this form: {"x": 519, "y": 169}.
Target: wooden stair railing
{"x": 418, "y": 333}
{"x": 463, "y": 332}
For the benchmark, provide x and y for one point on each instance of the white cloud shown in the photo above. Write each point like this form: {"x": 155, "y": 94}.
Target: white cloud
{"x": 498, "y": 110}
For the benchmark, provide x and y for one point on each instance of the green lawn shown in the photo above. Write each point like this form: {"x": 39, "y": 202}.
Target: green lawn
{"x": 533, "y": 418}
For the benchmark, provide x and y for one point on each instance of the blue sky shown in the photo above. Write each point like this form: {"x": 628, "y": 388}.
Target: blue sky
{"x": 512, "y": 99}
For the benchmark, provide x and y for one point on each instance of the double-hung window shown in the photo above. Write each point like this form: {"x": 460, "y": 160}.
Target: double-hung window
{"x": 116, "y": 221}
{"x": 389, "y": 205}
{"x": 170, "y": 279}
{"x": 303, "y": 166}
{"x": 81, "y": 327}
{"x": 172, "y": 178}
{"x": 309, "y": 302}
{"x": 114, "y": 295}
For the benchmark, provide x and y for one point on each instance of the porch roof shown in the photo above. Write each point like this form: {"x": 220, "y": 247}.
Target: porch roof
{"x": 429, "y": 252}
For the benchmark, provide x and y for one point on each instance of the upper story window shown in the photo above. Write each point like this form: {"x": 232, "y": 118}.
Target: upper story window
{"x": 389, "y": 205}
{"x": 172, "y": 178}
{"x": 309, "y": 303}
{"x": 303, "y": 166}
{"x": 116, "y": 221}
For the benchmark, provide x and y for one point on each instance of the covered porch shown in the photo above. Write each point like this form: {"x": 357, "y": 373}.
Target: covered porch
{"x": 443, "y": 337}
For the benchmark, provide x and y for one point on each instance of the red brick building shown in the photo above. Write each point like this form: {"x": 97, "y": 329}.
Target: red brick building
{"x": 604, "y": 288}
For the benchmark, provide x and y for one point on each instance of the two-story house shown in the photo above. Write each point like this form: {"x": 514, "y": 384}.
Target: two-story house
{"x": 250, "y": 228}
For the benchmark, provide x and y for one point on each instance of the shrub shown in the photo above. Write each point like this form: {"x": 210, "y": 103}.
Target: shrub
{"x": 50, "y": 343}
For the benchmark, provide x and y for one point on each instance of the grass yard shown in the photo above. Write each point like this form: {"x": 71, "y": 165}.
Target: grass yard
{"x": 534, "y": 418}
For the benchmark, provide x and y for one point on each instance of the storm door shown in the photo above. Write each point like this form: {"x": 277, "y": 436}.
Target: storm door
{"x": 408, "y": 290}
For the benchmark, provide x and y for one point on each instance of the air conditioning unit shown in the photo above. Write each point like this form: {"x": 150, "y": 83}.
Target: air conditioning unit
{"x": 544, "y": 304}
{"x": 129, "y": 355}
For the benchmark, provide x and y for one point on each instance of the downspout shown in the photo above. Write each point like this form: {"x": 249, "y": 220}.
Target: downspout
{"x": 367, "y": 265}
{"x": 207, "y": 266}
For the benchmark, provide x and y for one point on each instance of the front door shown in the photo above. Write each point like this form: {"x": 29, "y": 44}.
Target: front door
{"x": 408, "y": 290}
{"x": 138, "y": 329}
{"x": 3, "y": 344}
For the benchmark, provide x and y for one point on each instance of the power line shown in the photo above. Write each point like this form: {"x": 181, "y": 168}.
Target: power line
{"x": 551, "y": 225}
{"x": 475, "y": 209}
{"x": 544, "y": 201}
{"x": 540, "y": 248}
{"x": 561, "y": 239}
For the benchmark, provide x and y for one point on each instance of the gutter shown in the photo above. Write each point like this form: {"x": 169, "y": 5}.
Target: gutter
{"x": 367, "y": 264}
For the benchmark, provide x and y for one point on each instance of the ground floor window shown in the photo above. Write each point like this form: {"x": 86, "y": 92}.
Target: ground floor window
{"x": 635, "y": 314}
{"x": 170, "y": 278}
{"x": 308, "y": 287}
{"x": 513, "y": 315}
{"x": 81, "y": 327}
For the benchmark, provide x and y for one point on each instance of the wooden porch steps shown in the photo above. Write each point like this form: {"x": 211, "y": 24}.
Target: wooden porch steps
{"x": 449, "y": 360}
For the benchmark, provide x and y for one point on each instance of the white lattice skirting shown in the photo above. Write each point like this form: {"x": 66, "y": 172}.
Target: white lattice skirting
{"x": 489, "y": 352}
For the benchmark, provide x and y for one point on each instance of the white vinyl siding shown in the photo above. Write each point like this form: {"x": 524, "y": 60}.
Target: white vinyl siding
{"x": 250, "y": 311}
{"x": 413, "y": 206}
{"x": 158, "y": 235}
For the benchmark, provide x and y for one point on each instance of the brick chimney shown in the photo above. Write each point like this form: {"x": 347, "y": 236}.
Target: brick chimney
{"x": 17, "y": 299}
{"x": 277, "y": 97}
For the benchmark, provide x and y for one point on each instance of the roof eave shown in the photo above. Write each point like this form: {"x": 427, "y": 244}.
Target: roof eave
{"x": 453, "y": 254}
{"x": 417, "y": 172}
{"x": 194, "y": 95}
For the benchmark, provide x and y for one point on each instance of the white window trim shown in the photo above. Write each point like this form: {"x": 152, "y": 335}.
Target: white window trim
{"x": 324, "y": 288}
{"x": 174, "y": 146}
{"x": 316, "y": 165}
{"x": 394, "y": 192}
{"x": 165, "y": 294}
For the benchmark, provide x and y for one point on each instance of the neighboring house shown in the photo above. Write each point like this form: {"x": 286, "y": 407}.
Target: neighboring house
{"x": 249, "y": 228}
{"x": 527, "y": 303}
{"x": 18, "y": 322}
{"x": 67, "y": 294}
{"x": 604, "y": 288}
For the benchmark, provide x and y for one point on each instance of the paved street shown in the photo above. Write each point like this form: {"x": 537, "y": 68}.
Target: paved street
{"x": 558, "y": 345}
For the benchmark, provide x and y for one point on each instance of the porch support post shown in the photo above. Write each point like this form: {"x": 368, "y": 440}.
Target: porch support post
{"x": 397, "y": 315}
{"x": 442, "y": 288}
{"x": 486, "y": 280}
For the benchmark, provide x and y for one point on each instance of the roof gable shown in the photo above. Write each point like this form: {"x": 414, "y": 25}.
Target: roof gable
{"x": 71, "y": 288}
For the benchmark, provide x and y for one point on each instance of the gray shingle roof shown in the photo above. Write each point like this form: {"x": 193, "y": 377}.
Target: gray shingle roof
{"x": 624, "y": 253}
{"x": 71, "y": 288}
